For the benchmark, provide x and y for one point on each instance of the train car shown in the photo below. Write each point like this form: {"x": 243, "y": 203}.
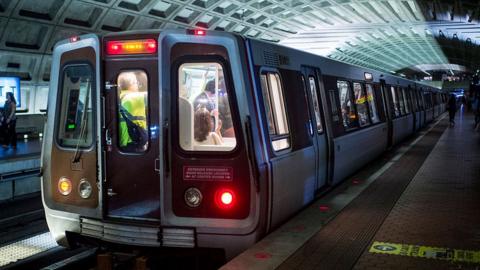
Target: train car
{"x": 192, "y": 138}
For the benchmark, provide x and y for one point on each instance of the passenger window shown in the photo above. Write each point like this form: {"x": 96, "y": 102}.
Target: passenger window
{"x": 205, "y": 119}
{"x": 401, "y": 101}
{"x": 361, "y": 103}
{"x": 132, "y": 93}
{"x": 372, "y": 104}
{"x": 395, "y": 101}
{"x": 316, "y": 106}
{"x": 275, "y": 108}
{"x": 346, "y": 104}
{"x": 406, "y": 98}
{"x": 76, "y": 122}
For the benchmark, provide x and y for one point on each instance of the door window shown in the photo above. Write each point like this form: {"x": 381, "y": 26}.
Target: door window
{"x": 347, "y": 105}
{"x": 76, "y": 122}
{"x": 275, "y": 110}
{"x": 132, "y": 94}
{"x": 205, "y": 119}
{"x": 362, "y": 105}
{"x": 316, "y": 105}
{"x": 372, "y": 104}
{"x": 396, "y": 104}
{"x": 401, "y": 100}
{"x": 406, "y": 98}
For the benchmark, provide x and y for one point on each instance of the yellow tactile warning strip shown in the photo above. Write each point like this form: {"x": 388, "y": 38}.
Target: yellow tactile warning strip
{"x": 448, "y": 254}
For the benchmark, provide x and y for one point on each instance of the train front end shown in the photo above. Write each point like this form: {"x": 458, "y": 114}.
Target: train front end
{"x": 149, "y": 142}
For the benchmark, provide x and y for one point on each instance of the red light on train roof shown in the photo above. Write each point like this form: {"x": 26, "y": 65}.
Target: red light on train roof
{"x": 225, "y": 198}
{"x": 141, "y": 46}
{"x": 199, "y": 32}
{"x": 74, "y": 39}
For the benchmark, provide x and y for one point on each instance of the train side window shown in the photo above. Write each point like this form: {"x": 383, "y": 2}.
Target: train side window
{"x": 349, "y": 114}
{"x": 132, "y": 111}
{"x": 372, "y": 104}
{"x": 76, "y": 122}
{"x": 406, "y": 99}
{"x": 361, "y": 103}
{"x": 316, "y": 105}
{"x": 396, "y": 105}
{"x": 205, "y": 119}
{"x": 275, "y": 108}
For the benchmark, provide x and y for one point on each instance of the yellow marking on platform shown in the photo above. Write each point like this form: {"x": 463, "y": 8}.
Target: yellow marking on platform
{"x": 448, "y": 254}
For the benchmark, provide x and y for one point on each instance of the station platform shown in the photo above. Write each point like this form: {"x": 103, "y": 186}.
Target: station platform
{"x": 20, "y": 169}
{"x": 415, "y": 208}
{"x": 25, "y": 148}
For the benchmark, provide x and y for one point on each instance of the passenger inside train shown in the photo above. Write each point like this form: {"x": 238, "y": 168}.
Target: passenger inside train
{"x": 132, "y": 111}
{"x": 203, "y": 128}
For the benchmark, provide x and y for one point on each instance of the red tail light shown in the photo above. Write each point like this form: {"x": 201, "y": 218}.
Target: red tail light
{"x": 225, "y": 198}
{"x": 141, "y": 46}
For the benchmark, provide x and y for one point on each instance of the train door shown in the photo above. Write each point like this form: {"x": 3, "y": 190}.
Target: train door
{"x": 312, "y": 82}
{"x": 208, "y": 175}
{"x": 131, "y": 137}
{"x": 70, "y": 148}
{"x": 388, "y": 97}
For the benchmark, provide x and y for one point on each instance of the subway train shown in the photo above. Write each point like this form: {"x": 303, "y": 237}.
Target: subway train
{"x": 207, "y": 140}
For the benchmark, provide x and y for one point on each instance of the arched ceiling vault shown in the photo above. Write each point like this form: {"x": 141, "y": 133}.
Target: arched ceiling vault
{"x": 390, "y": 35}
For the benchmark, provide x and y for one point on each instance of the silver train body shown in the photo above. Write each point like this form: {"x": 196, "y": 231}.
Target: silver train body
{"x": 300, "y": 124}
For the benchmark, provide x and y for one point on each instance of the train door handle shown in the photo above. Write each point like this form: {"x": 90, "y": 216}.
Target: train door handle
{"x": 110, "y": 85}
{"x": 157, "y": 165}
{"x": 110, "y": 192}
{"x": 108, "y": 138}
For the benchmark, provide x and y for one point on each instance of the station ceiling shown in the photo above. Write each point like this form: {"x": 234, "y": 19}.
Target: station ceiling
{"x": 398, "y": 36}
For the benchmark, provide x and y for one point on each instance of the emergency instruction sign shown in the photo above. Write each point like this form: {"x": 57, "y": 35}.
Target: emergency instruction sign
{"x": 208, "y": 173}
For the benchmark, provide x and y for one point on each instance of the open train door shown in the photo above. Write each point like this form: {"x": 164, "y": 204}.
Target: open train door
{"x": 70, "y": 152}
{"x": 312, "y": 78}
{"x": 131, "y": 123}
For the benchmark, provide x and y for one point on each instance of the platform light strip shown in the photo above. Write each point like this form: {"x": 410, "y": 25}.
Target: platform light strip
{"x": 428, "y": 252}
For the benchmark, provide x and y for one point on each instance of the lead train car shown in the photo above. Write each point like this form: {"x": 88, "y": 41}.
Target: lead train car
{"x": 240, "y": 135}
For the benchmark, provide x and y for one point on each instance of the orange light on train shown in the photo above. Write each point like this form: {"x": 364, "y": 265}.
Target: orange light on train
{"x": 140, "y": 46}
{"x": 225, "y": 198}
{"x": 64, "y": 186}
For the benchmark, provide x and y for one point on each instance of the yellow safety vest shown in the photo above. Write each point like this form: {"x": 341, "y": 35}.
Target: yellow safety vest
{"x": 135, "y": 104}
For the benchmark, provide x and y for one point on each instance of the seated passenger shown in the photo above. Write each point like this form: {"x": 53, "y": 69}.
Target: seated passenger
{"x": 209, "y": 99}
{"x": 202, "y": 129}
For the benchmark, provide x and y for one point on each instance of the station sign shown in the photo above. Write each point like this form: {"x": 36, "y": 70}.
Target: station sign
{"x": 9, "y": 84}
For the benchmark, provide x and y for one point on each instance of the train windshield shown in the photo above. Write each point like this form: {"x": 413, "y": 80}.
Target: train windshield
{"x": 75, "y": 128}
{"x": 205, "y": 119}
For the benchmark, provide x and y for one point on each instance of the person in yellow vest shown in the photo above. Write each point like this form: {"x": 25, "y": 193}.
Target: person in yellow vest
{"x": 133, "y": 134}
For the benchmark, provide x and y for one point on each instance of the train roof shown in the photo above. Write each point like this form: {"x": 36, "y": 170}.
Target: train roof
{"x": 265, "y": 53}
